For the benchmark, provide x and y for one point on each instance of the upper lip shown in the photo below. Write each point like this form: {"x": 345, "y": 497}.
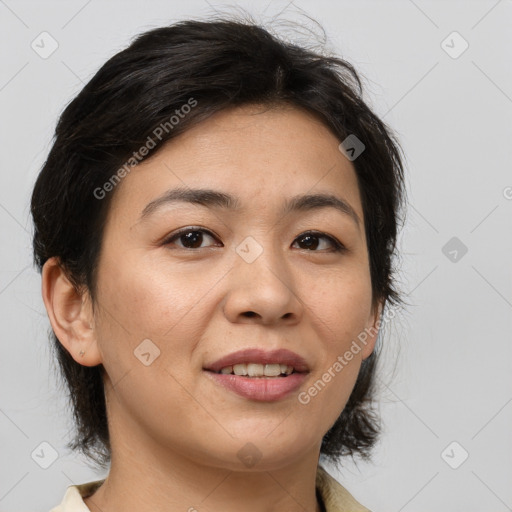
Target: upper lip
{"x": 259, "y": 356}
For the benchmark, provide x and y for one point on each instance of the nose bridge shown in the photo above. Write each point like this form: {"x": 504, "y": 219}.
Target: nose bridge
{"x": 262, "y": 283}
{"x": 259, "y": 256}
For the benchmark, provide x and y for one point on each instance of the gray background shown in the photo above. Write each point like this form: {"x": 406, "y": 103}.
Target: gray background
{"x": 447, "y": 367}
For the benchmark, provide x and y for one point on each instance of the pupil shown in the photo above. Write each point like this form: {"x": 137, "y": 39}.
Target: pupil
{"x": 311, "y": 241}
{"x": 192, "y": 239}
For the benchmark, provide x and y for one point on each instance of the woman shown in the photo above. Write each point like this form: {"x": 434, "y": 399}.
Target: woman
{"x": 215, "y": 226}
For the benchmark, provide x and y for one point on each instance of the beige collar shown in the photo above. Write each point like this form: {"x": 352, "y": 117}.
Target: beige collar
{"x": 334, "y": 496}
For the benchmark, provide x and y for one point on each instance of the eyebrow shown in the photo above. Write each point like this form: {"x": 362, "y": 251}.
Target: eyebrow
{"x": 215, "y": 199}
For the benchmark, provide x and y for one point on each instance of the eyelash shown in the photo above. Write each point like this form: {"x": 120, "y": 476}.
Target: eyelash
{"x": 337, "y": 246}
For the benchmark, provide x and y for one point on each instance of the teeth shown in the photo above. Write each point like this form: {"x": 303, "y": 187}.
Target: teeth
{"x": 240, "y": 369}
{"x": 271, "y": 370}
{"x": 258, "y": 370}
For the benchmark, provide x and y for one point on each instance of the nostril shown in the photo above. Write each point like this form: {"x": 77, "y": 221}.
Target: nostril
{"x": 250, "y": 314}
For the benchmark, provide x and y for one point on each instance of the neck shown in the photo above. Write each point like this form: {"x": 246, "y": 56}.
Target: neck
{"x": 142, "y": 487}
{"x": 145, "y": 476}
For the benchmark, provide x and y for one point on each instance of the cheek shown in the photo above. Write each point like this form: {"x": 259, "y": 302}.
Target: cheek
{"x": 342, "y": 304}
{"x": 165, "y": 304}
{"x": 341, "y": 307}
{"x": 149, "y": 320}
{"x": 151, "y": 299}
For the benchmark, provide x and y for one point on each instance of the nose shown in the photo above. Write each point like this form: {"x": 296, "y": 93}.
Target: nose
{"x": 263, "y": 291}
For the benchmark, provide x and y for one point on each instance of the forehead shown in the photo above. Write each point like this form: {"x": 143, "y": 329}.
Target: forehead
{"x": 256, "y": 153}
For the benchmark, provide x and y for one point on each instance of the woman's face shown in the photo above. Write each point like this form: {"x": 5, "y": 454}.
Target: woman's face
{"x": 188, "y": 283}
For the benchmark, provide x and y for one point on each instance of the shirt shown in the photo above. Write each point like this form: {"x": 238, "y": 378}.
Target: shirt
{"x": 333, "y": 497}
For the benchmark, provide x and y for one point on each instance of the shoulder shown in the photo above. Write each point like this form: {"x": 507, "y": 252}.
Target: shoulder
{"x": 73, "y": 500}
{"x": 335, "y": 497}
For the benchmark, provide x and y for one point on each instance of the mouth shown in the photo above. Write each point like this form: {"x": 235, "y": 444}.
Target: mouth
{"x": 259, "y": 375}
{"x": 254, "y": 362}
{"x": 255, "y": 370}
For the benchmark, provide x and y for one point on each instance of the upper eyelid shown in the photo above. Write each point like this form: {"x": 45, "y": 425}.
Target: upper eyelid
{"x": 337, "y": 244}
{"x": 168, "y": 239}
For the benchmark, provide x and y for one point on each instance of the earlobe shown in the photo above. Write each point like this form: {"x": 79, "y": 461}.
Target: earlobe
{"x": 70, "y": 314}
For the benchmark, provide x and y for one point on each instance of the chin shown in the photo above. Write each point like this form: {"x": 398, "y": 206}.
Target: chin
{"x": 261, "y": 451}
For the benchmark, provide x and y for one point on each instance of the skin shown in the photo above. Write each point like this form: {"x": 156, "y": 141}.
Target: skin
{"x": 175, "y": 434}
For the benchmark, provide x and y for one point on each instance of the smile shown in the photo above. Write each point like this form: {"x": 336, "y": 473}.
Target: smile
{"x": 258, "y": 370}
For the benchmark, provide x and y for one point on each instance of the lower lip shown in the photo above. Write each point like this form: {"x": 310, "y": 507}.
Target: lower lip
{"x": 263, "y": 389}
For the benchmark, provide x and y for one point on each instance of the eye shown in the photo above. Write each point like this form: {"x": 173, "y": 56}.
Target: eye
{"x": 311, "y": 240}
{"x": 190, "y": 238}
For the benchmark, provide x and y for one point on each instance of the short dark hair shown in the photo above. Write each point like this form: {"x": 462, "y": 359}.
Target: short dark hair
{"x": 220, "y": 64}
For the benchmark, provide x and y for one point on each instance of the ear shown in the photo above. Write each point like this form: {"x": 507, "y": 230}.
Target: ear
{"x": 70, "y": 313}
{"x": 369, "y": 337}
